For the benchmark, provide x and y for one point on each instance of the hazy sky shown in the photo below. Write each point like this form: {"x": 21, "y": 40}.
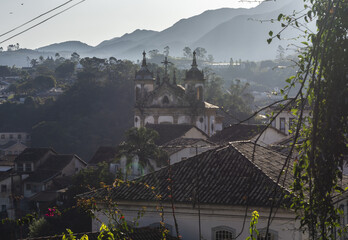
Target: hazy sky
{"x": 96, "y": 20}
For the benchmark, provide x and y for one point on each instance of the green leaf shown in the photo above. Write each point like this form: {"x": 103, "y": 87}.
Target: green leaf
{"x": 280, "y": 16}
{"x": 269, "y": 40}
{"x": 270, "y": 33}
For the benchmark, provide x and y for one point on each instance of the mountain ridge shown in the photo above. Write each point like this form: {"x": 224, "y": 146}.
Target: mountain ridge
{"x": 224, "y": 33}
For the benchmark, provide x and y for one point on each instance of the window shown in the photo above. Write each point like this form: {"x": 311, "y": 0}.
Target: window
{"x": 2, "y": 136}
{"x": 262, "y": 236}
{"x": 28, "y": 136}
{"x": 11, "y": 136}
{"x": 28, "y": 167}
{"x": 3, "y": 188}
{"x": 271, "y": 235}
{"x": 137, "y": 93}
{"x": 165, "y": 100}
{"x": 20, "y": 167}
{"x": 28, "y": 187}
{"x": 200, "y": 93}
{"x": 3, "y": 208}
{"x": 291, "y": 123}
{"x": 19, "y": 136}
{"x": 282, "y": 124}
{"x": 223, "y": 233}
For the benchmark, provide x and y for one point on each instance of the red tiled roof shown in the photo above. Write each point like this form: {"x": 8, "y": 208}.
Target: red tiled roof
{"x": 237, "y": 132}
{"x": 168, "y": 132}
{"x": 227, "y": 175}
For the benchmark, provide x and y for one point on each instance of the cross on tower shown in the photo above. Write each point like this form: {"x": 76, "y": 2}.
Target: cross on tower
{"x": 166, "y": 63}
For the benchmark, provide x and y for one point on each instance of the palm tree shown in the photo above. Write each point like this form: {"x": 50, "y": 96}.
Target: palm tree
{"x": 140, "y": 142}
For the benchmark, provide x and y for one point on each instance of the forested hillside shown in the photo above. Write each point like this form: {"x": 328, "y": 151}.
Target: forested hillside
{"x": 94, "y": 111}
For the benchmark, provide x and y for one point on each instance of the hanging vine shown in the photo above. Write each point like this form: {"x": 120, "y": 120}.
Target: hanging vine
{"x": 321, "y": 138}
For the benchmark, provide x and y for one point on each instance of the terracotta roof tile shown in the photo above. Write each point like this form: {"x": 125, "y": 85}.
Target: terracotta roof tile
{"x": 225, "y": 175}
{"x": 237, "y": 132}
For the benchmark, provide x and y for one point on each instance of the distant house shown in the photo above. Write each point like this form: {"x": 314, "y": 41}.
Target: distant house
{"x": 179, "y": 141}
{"x": 182, "y": 148}
{"x": 285, "y": 120}
{"x": 7, "y": 135}
{"x": 12, "y": 148}
{"x": 6, "y": 203}
{"x": 252, "y": 132}
{"x": 212, "y": 192}
{"x": 237, "y": 132}
{"x": 103, "y": 154}
{"x": 41, "y": 170}
{"x": 169, "y": 132}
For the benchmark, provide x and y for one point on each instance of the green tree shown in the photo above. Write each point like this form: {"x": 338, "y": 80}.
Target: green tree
{"x": 75, "y": 57}
{"x": 200, "y": 52}
{"x": 66, "y": 69}
{"x": 140, "y": 142}
{"x": 166, "y": 51}
{"x": 187, "y": 52}
{"x": 322, "y": 77}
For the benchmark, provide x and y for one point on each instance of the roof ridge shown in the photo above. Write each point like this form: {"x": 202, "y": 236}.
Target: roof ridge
{"x": 257, "y": 166}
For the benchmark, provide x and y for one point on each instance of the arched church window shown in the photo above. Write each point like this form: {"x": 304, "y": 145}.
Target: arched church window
{"x": 136, "y": 119}
{"x": 223, "y": 233}
{"x": 165, "y": 100}
{"x": 137, "y": 93}
{"x": 200, "y": 93}
{"x": 201, "y": 120}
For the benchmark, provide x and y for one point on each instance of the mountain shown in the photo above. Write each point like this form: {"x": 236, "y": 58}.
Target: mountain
{"x": 70, "y": 46}
{"x": 245, "y": 36}
{"x": 224, "y": 33}
{"x": 185, "y": 32}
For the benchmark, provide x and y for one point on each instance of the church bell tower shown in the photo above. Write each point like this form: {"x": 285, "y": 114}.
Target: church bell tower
{"x": 194, "y": 80}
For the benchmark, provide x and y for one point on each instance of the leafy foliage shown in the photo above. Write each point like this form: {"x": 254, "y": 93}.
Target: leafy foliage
{"x": 140, "y": 142}
{"x": 322, "y": 138}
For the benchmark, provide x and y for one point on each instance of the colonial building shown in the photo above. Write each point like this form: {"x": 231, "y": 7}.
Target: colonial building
{"x": 161, "y": 101}
{"x": 212, "y": 194}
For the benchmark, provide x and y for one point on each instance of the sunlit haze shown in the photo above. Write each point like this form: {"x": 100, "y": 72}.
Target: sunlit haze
{"x": 93, "y": 21}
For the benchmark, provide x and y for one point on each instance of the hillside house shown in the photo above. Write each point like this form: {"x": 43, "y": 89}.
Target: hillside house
{"x": 40, "y": 171}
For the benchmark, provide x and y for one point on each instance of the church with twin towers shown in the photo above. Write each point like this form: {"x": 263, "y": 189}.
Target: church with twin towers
{"x": 160, "y": 100}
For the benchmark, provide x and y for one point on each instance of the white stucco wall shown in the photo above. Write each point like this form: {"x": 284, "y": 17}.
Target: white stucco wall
{"x": 270, "y": 136}
{"x": 212, "y": 216}
{"x": 5, "y": 197}
{"x": 287, "y": 115}
{"x": 189, "y": 152}
{"x": 184, "y": 120}
{"x": 149, "y": 119}
{"x": 165, "y": 119}
{"x": 200, "y": 124}
{"x": 5, "y": 137}
{"x": 194, "y": 133}
{"x": 148, "y": 87}
{"x": 137, "y": 123}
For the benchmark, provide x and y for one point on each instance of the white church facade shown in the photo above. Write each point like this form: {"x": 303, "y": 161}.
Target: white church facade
{"x": 163, "y": 101}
